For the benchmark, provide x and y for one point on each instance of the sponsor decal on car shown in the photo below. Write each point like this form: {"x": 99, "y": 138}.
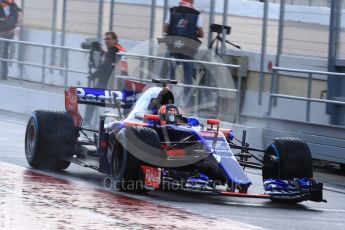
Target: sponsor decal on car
{"x": 152, "y": 177}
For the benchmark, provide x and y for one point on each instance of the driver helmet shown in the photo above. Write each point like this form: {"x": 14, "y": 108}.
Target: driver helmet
{"x": 169, "y": 114}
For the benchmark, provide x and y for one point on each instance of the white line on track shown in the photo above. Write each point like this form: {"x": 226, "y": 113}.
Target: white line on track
{"x": 264, "y": 206}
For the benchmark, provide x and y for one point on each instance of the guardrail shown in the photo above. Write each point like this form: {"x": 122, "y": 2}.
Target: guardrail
{"x": 67, "y": 50}
{"x": 151, "y": 60}
{"x": 64, "y": 66}
{"x": 274, "y": 89}
{"x": 66, "y": 70}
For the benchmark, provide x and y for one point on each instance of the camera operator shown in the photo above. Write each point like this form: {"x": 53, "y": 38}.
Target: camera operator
{"x": 109, "y": 61}
{"x": 10, "y": 15}
{"x": 185, "y": 23}
{"x": 107, "y": 65}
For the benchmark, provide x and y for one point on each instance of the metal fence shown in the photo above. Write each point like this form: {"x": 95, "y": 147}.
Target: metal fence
{"x": 274, "y": 92}
{"x": 281, "y": 27}
{"x": 68, "y": 71}
{"x": 34, "y": 62}
{"x": 69, "y": 74}
{"x": 275, "y": 27}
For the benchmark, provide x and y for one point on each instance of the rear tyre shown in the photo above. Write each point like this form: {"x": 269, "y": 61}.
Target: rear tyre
{"x": 125, "y": 166}
{"x": 50, "y": 138}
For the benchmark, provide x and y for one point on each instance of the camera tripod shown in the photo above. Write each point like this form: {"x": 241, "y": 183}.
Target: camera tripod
{"x": 219, "y": 40}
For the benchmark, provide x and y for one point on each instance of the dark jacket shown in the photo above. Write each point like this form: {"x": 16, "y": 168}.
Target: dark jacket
{"x": 104, "y": 71}
{"x": 183, "y": 22}
{"x": 182, "y": 37}
{"x": 9, "y": 21}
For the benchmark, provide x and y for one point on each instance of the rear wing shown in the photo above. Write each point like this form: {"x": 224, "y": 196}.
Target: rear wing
{"x": 124, "y": 99}
{"x": 100, "y": 97}
{"x": 104, "y": 98}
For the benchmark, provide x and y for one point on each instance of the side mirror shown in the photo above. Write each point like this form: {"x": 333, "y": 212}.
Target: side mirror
{"x": 213, "y": 122}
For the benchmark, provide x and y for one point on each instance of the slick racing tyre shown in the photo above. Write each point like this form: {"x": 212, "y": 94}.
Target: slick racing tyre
{"x": 50, "y": 138}
{"x": 287, "y": 159}
{"x": 125, "y": 166}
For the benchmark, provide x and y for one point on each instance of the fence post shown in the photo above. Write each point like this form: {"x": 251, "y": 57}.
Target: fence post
{"x": 310, "y": 79}
{"x": 225, "y": 22}
{"x": 100, "y": 20}
{"x": 53, "y": 38}
{"x": 21, "y": 47}
{"x": 66, "y": 67}
{"x": 165, "y": 11}
{"x": 152, "y": 33}
{"x": 112, "y": 11}
{"x": 333, "y": 82}
{"x": 44, "y": 56}
{"x": 273, "y": 82}
{"x": 263, "y": 51}
{"x": 63, "y": 33}
{"x": 211, "y": 20}
{"x": 152, "y": 24}
{"x": 280, "y": 36}
{"x": 238, "y": 103}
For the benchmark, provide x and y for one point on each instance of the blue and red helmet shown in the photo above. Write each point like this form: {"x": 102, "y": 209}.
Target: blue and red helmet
{"x": 169, "y": 114}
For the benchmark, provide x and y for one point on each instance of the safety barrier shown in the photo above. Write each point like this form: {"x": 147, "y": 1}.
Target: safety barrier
{"x": 65, "y": 69}
{"x": 64, "y": 52}
{"x": 274, "y": 94}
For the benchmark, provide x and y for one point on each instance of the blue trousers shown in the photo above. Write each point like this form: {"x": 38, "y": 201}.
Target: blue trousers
{"x": 187, "y": 69}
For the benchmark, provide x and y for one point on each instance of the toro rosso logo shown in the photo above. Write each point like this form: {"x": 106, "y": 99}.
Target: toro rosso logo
{"x": 99, "y": 95}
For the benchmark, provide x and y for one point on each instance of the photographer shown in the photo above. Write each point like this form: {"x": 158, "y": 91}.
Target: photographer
{"x": 10, "y": 15}
{"x": 109, "y": 60}
{"x": 184, "y": 25}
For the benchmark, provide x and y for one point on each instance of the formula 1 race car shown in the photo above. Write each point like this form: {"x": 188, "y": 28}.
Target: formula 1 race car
{"x": 146, "y": 148}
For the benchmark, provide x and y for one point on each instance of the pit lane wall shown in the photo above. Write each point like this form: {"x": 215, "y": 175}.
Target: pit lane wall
{"x": 19, "y": 99}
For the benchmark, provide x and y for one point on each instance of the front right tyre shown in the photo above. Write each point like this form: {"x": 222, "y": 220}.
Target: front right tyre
{"x": 287, "y": 159}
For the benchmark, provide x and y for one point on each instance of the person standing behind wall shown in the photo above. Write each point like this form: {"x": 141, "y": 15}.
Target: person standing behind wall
{"x": 110, "y": 60}
{"x": 9, "y": 19}
{"x": 184, "y": 25}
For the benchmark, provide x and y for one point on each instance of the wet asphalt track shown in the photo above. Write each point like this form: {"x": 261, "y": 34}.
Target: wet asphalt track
{"x": 76, "y": 199}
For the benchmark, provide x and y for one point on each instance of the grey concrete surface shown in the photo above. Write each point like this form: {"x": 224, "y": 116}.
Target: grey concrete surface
{"x": 260, "y": 213}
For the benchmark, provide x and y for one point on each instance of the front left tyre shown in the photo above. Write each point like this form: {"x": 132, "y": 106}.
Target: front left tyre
{"x": 50, "y": 140}
{"x": 132, "y": 148}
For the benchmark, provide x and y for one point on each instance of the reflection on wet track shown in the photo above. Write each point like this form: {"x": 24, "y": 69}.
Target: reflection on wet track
{"x": 30, "y": 200}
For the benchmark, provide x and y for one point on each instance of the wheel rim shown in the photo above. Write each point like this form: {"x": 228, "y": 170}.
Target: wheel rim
{"x": 271, "y": 168}
{"x": 30, "y": 142}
